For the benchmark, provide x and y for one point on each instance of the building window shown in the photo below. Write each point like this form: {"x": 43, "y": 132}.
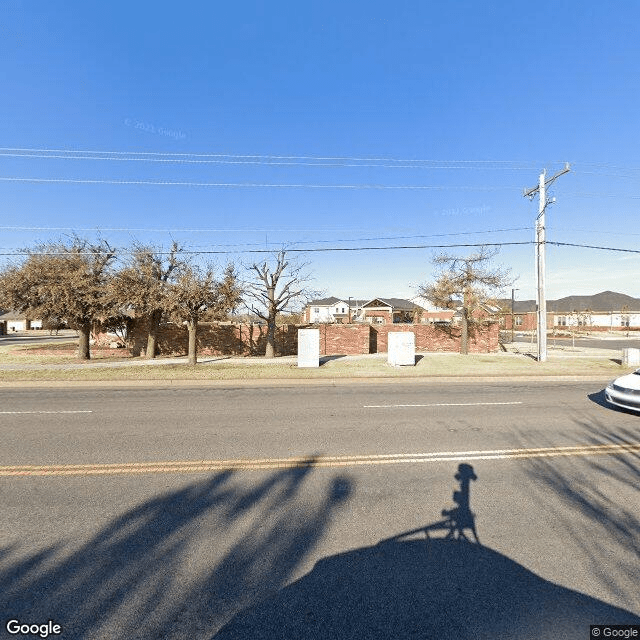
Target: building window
{"x": 316, "y": 310}
{"x": 518, "y": 321}
{"x": 624, "y": 321}
{"x": 561, "y": 321}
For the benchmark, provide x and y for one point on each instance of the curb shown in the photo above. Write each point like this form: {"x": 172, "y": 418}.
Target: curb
{"x": 293, "y": 382}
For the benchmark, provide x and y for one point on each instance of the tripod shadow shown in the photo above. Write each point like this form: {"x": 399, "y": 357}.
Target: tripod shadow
{"x": 446, "y": 586}
{"x": 457, "y": 520}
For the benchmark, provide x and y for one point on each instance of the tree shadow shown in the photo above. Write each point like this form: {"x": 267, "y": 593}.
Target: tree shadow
{"x": 210, "y": 359}
{"x": 605, "y": 530}
{"x": 406, "y": 587}
{"x": 177, "y": 566}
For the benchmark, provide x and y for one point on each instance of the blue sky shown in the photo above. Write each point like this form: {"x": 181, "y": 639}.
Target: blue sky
{"x": 400, "y": 124}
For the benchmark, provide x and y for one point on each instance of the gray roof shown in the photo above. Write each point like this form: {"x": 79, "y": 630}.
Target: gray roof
{"x": 324, "y": 302}
{"x": 394, "y": 303}
{"x": 327, "y": 302}
{"x": 519, "y": 306}
{"x": 604, "y": 302}
{"x": 11, "y": 315}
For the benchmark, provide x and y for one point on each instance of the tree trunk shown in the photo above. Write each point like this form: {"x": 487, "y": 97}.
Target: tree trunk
{"x": 193, "y": 335}
{"x": 464, "y": 333}
{"x": 152, "y": 337}
{"x": 84, "y": 332}
{"x": 270, "y": 351}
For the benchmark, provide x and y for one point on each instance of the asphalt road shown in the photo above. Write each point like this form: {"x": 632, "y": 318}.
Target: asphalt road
{"x": 33, "y": 338}
{"x": 247, "y": 512}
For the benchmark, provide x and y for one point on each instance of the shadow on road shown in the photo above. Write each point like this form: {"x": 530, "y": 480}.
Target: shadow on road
{"x": 433, "y": 589}
{"x": 604, "y": 529}
{"x": 144, "y": 575}
{"x": 407, "y": 587}
{"x": 456, "y": 520}
{"x": 599, "y": 398}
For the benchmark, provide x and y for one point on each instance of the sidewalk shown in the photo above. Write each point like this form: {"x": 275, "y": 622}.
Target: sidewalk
{"x": 560, "y": 350}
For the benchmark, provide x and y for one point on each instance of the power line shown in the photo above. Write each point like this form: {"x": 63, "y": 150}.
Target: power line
{"x": 269, "y": 157}
{"x": 266, "y": 185}
{"x": 411, "y": 237}
{"x": 303, "y": 160}
{"x": 254, "y": 185}
{"x": 327, "y": 249}
{"x": 590, "y": 246}
{"x": 124, "y": 229}
{"x": 179, "y": 229}
{"x": 305, "y": 229}
{"x": 292, "y": 250}
{"x": 265, "y": 162}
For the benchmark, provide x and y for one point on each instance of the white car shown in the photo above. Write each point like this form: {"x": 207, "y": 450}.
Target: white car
{"x": 625, "y": 391}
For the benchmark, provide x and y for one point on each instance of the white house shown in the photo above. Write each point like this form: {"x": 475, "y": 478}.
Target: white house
{"x": 17, "y": 322}
{"x": 327, "y": 310}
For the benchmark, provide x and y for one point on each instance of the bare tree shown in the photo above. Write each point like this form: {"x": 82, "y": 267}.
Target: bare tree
{"x": 196, "y": 292}
{"x": 276, "y": 285}
{"x": 61, "y": 280}
{"x": 466, "y": 284}
{"x": 142, "y": 287}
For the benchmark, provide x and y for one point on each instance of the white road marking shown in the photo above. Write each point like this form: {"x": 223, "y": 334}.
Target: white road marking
{"x": 438, "y": 404}
{"x": 14, "y": 413}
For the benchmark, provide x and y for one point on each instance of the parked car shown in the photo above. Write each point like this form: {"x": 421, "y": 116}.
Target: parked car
{"x": 625, "y": 391}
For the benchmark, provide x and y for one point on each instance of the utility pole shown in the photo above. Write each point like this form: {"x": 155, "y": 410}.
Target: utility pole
{"x": 540, "y": 256}
{"x": 513, "y": 301}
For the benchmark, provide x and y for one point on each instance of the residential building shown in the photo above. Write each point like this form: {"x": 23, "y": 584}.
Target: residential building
{"x": 332, "y": 309}
{"x": 390, "y": 311}
{"x": 606, "y": 311}
{"x": 14, "y": 321}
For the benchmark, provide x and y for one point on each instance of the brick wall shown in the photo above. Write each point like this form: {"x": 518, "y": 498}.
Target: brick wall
{"x": 214, "y": 339}
{"x": 344, "y": 339}
{"x": 529, "y": 321}
{"x": 335, "y": 339}
{"x": 363, "y": 338}
{"x": 377, "y": 313}
{"x": 436, "y": 338}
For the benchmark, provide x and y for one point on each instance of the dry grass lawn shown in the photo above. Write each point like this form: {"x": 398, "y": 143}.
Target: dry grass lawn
{"x": 430, "y": 365}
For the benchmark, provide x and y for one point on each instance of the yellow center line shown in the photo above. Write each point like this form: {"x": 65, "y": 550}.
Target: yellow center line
{"x": 200, "y": 466}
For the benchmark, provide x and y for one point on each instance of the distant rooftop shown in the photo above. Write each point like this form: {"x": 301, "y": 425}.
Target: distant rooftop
{"x": 605, "y": 301}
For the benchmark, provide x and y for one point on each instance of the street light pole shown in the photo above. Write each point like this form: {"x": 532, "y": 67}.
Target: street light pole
{"x": 512, "y": 305}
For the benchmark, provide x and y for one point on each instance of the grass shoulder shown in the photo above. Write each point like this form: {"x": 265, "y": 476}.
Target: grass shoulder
{"x": 427, "y": 365}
